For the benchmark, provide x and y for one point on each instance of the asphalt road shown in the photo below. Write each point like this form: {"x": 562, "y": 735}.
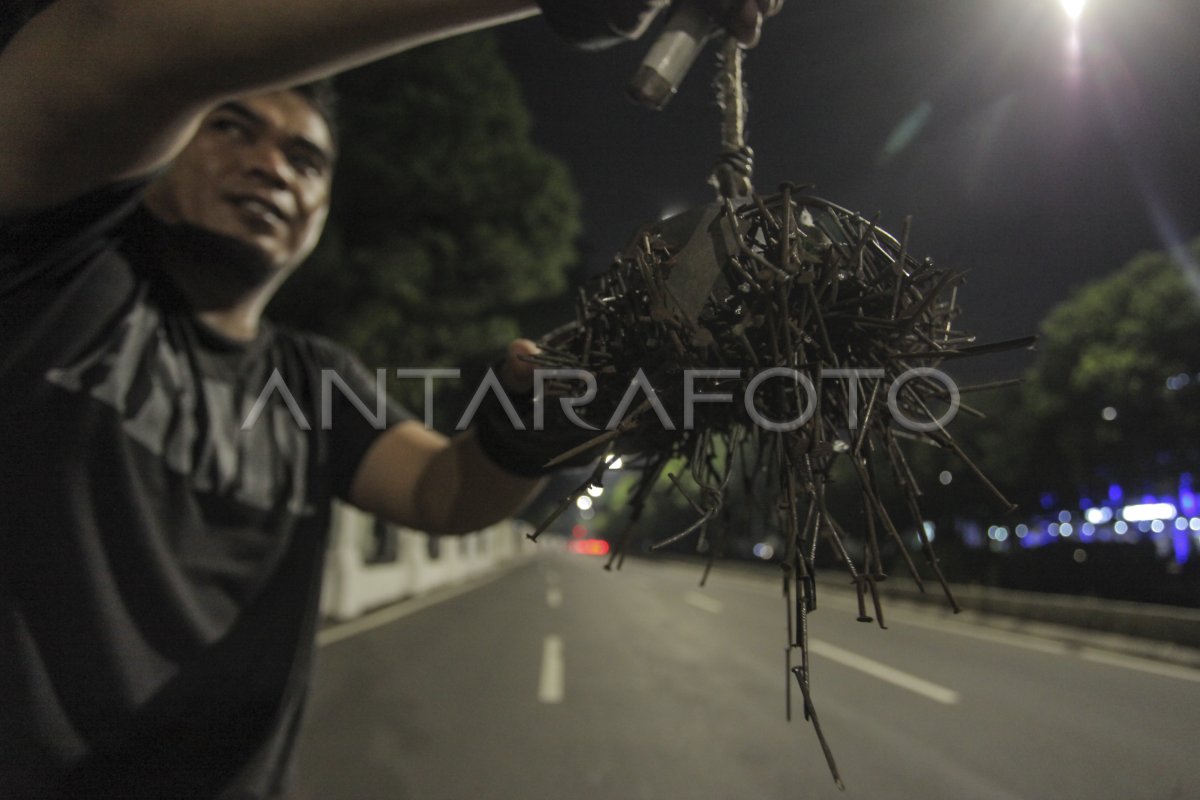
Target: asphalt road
{"x": 560, "y": 680}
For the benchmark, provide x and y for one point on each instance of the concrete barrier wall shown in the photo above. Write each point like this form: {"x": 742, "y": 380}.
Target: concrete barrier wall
{"x": 352, "y": 585}
{"x": 1145, "y": 620}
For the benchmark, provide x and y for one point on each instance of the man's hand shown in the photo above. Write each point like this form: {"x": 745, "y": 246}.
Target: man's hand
{"x": 516, "y": 373}
{"x": 599, "y": 23}
{"x": 744, "y": 18}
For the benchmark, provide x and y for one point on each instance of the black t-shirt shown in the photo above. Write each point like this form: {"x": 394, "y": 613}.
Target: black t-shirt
{"x": 161, "y": 537}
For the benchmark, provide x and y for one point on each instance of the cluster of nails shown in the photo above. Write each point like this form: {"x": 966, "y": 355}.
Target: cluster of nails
{"x": 789, "y": 281}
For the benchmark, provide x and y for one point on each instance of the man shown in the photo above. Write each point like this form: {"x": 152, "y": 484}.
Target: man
{"x": 159, "y": 561}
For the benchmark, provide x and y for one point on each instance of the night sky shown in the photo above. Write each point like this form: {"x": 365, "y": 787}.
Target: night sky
{"x": 1036, "y": 157}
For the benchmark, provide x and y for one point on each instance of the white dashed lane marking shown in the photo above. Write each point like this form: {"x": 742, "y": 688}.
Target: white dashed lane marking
{"x": 703, "y": 602}
{"x": 883, "y": 672}
{"x": 550, "y": 685}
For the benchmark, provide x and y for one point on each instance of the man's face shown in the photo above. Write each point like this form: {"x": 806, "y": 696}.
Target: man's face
{"x": 257, "y": 171}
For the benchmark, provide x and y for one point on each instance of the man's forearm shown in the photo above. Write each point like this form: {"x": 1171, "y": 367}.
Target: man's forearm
{"x": 220, "y": 47}
{"x": 462, "y": 490}
{"x": 93, "y": 90}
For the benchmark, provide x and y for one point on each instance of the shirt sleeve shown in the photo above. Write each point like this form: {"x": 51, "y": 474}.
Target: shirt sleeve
{"x": 61, "y": 278}
{"x": 48, "y": 245}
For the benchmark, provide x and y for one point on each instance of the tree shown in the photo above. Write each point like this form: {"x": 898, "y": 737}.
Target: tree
{"x": 1114, "y": 393}
{"x": 447, "y": 220}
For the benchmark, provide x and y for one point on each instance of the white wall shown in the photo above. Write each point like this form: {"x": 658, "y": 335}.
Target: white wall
{"x": 352, "y": 586}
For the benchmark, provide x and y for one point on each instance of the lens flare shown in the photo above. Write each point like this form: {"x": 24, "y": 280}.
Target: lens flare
{"x": 1074, "y": 8}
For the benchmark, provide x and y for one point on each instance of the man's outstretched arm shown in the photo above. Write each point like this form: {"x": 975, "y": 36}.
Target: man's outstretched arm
{"x": 92, "y": 91}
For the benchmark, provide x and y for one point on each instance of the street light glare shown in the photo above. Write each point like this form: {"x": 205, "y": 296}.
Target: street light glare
{"x": 1074, "y": 8}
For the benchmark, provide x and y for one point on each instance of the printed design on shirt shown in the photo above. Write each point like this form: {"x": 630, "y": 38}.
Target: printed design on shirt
{"x": 190, "y": 421}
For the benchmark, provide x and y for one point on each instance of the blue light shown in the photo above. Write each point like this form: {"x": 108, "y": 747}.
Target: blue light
{"x": 1047, "y": 500}
{"x": 1115, "y": 495}
{"x": 972, "y": 535}
{"x": 1085, "y": 503}
{"x": 1182, "y": 547}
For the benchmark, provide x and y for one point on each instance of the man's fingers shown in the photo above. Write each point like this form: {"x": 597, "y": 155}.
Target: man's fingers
{"x": 744, "y": 21}
{"x": 633, "y": 17}
{"x": 770, "y": 7}
{"x": 517, "y": 372}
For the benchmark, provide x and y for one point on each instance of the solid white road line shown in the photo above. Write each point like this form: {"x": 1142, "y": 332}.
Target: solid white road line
{"x": 912, "y": 615}
{"x": 550, "y": 684}
{"x": 922, "y": 617}
{"x": 554, "y": 597}
{"x": 930, "y": 619}
{"x": 1139, "y": 664}
{"x": 958, "y": 627}
{"x": 412, "y": 605}
{"x": 703, "y": 602}
{"x": 1029, "y": 641}
{"x": 882, "y": 671}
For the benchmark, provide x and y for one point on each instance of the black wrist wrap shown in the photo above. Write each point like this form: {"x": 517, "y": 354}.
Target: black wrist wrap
{"x": 526, "y": 452}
